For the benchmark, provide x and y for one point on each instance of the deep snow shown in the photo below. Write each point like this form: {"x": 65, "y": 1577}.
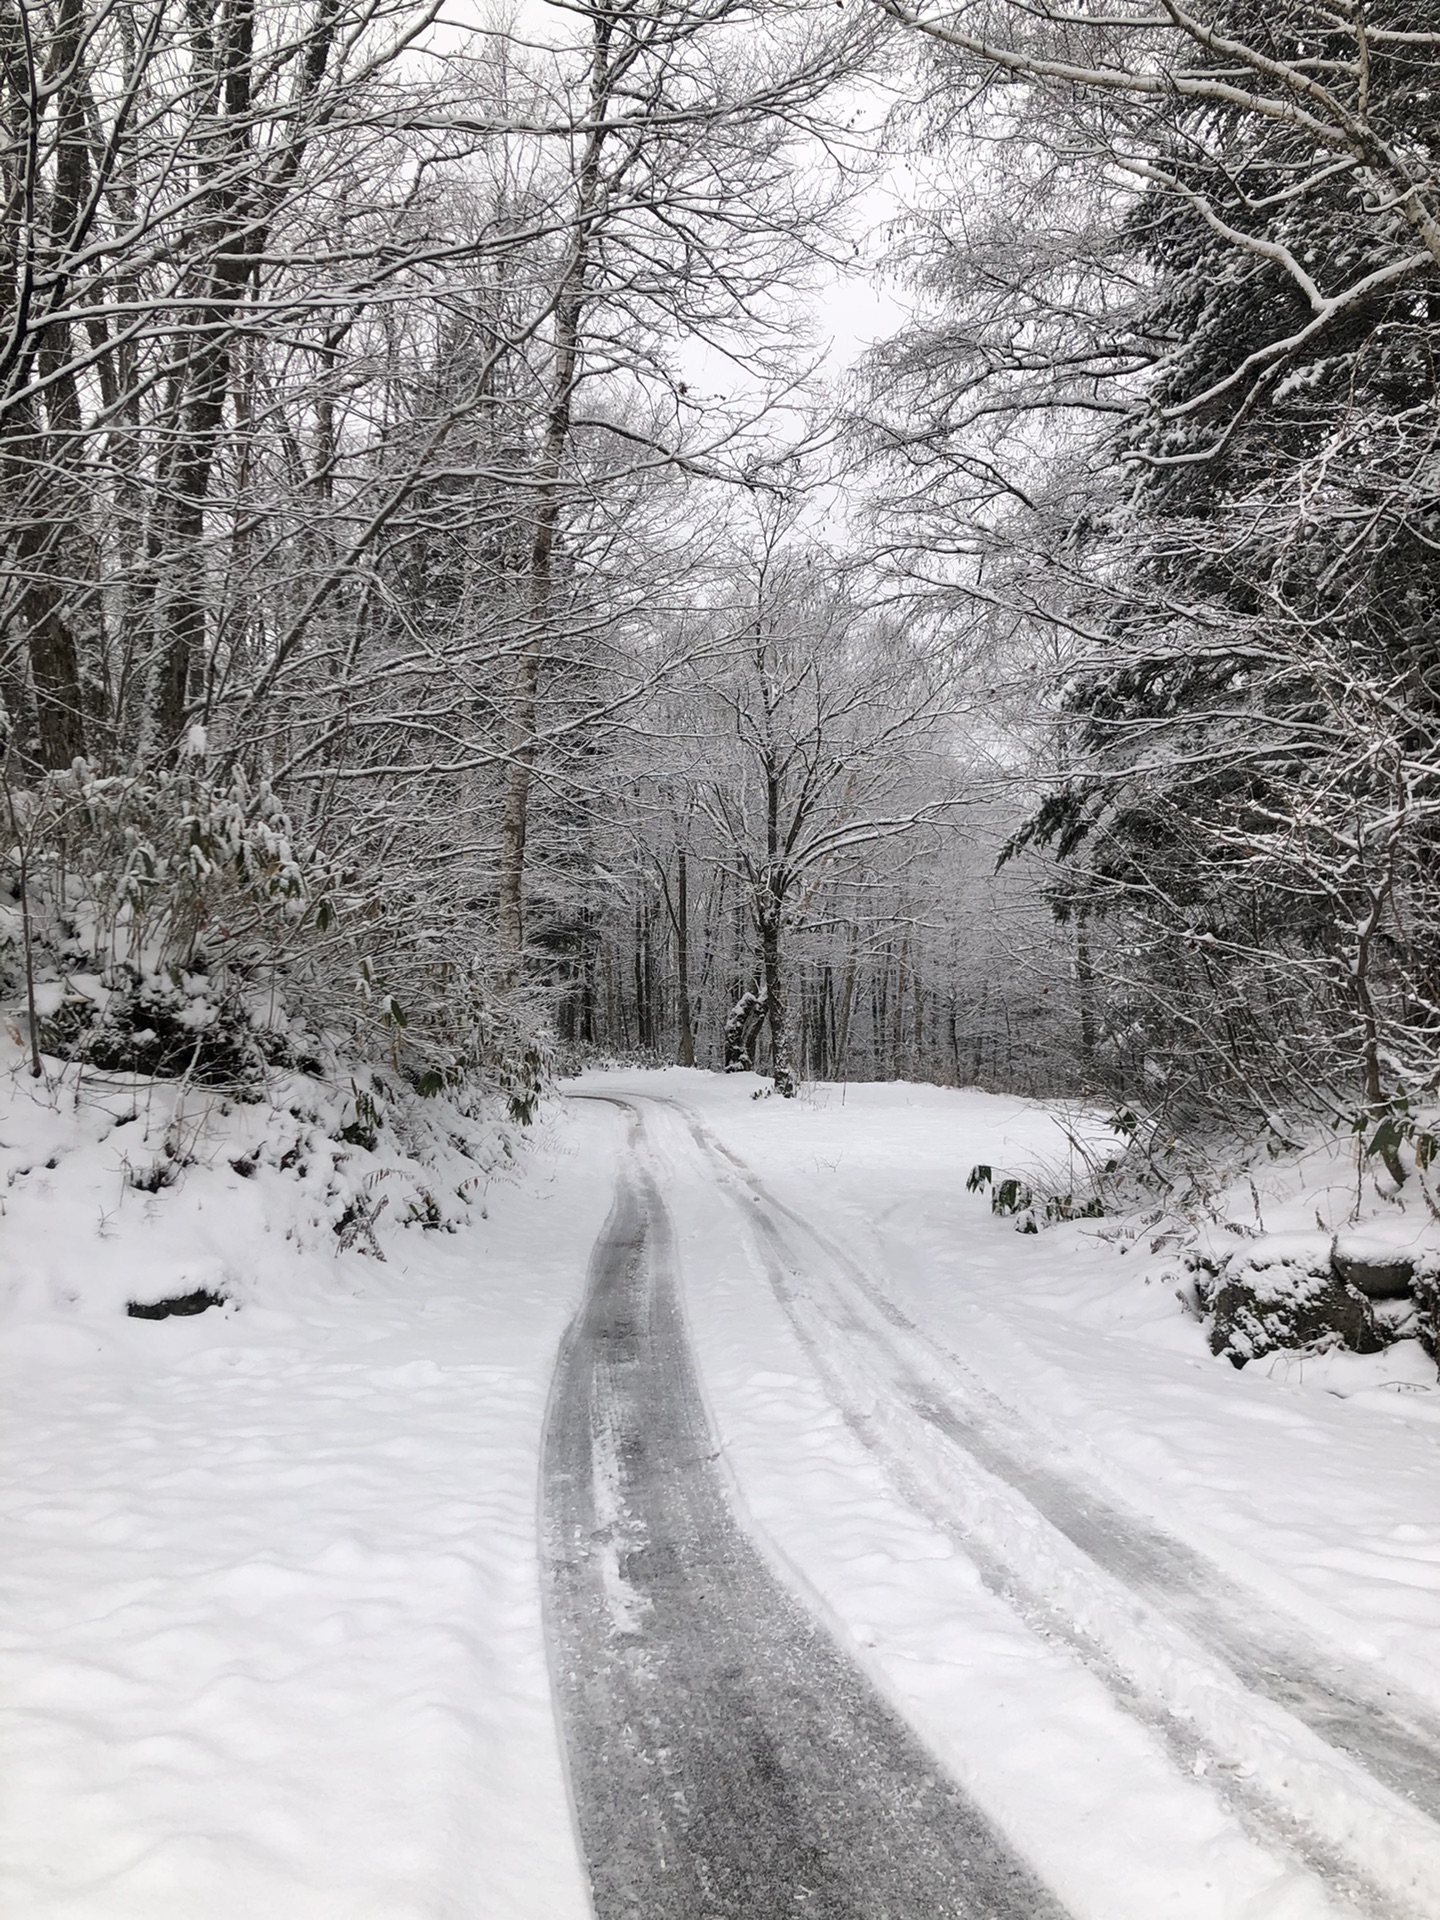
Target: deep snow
{"x": 272, "y": 1640}
{"x": 272, "y": 1627}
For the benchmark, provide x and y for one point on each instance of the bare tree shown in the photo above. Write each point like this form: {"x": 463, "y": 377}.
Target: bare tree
{"x": 681, "y": 117}
{"x": 819, "y": 742}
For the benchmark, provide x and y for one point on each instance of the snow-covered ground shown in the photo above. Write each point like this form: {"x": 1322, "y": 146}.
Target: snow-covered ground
{"x": 272, "y": 1628}
{"x": 1141, "y": 1779}
{"x": 1314, "y": 1476}
{"x": 271, "y": 1619}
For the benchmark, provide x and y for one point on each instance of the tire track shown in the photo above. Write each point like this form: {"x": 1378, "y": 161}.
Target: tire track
{"x": 1190, "y": 1667}
{"x": 727, "y": 1760}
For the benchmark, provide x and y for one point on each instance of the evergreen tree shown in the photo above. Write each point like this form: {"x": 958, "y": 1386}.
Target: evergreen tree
{"x": 1257, "y": 732}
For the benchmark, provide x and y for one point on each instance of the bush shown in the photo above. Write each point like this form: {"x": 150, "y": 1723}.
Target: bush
{"x": 178, "y": 925}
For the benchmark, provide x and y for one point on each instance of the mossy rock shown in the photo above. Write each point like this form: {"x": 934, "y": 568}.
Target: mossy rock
{"x": 1378, "y": 1271}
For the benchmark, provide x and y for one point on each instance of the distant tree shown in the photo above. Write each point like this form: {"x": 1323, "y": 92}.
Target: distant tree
{"x": 821, "y": 745}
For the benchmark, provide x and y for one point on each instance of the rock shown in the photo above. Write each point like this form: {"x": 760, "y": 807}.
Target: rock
{"x": 1380, "y": 1272}
{"x": 1396, "y": 1319}
{"x": 1272, "y": 1295}
{"x": 178, "y": 1303}
{"x": 1427, "y": 1305}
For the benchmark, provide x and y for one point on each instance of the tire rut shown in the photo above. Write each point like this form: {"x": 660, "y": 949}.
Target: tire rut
{"x": 1394, "y": 1740}
{"x": 727, "y": 1760}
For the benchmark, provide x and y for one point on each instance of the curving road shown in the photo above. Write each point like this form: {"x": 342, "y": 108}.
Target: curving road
{"x": 726, "y": 1758}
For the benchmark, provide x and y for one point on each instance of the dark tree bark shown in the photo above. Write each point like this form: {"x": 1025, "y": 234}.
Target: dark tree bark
{"x": 742, "y": 1030}
{"x": 685, "y": 1057}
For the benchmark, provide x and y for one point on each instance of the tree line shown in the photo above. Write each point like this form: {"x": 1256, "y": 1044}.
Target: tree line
{"x": 417, "y": 627}
{"x": 347, "y": 476}
{"x": 1169, "y": 412}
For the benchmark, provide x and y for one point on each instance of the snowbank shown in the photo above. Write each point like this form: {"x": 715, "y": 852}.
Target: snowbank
{"x": 272, "y": 1642}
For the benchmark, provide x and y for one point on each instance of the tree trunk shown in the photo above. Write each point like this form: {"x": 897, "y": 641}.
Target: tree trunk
{"x": 847, "y": 1009}
{"x": 776, "y": 1008}
{"x": 742, "y": 1030}
{"x": 1085, "y": 985}
{"x": 47, "y": 541}
{"x": 50, "y": 645}
{"x": 525, "y": 698}
{"x": 685, "y": 1057}
{"x": 1384, "y": 1141}
{"x": 184, "y": 627}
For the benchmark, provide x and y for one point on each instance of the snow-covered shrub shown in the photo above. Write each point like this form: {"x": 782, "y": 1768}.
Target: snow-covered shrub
{"x": 163, "y": 911}
{"x": 1046, "y": 1197}
{"x": 174, "y": 922}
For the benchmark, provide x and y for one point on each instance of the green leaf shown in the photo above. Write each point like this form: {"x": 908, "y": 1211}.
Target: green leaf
{"x": 1386, "y": 1138}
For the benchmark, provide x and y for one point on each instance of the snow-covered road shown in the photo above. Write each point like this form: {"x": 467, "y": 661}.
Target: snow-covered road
{"x": 1080, "y": 1595}
{"x": 1069, "y": 1660}
{"x": 727, "y": 1759}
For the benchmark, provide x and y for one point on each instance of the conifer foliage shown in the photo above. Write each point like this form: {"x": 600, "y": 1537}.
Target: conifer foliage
{"x": 1240, "y": 546}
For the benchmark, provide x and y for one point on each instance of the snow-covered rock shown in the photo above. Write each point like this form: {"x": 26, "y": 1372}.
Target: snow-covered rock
{"x": 1283, "y": 1291}
{"x": 1380, "y": 1269}
{"x": 1425, "y": 1286}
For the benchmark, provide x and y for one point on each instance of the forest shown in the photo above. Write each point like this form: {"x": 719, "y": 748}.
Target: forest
{"x": 461, "y": 619}
{"x": 719, "y": 959}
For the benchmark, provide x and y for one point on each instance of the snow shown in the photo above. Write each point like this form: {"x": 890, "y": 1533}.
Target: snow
{"x": 1090, "y": 1342}
{"x": 272, "y": 1634}
{"x": 1333, "y": 1516}
{"x": 272, "y": 1637}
